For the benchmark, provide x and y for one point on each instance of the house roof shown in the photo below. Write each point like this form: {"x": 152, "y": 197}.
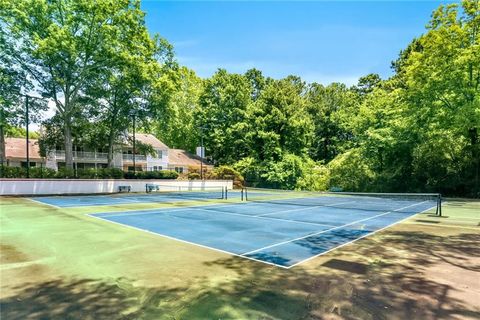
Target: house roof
{"x": 15, "y": 148}
{"x": 184, "y": 158}
{"x": 150, "y": 139}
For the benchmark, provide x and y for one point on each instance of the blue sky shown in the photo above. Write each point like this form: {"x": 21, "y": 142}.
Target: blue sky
{"x": 319, "y": 41}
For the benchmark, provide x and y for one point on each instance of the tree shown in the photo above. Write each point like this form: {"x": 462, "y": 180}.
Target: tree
{"x": 65, "y": 44}
{"x": 328, "y": 107}
{"x": 281, "y": 122}
{"x": 442, "y": 91}
{"x": 119, "y": 94}
{"x": 176, "y": 123}
{"x": 10, "y": 104}
{"x": 222, "y": 115}
{"x": 14, "y": 84}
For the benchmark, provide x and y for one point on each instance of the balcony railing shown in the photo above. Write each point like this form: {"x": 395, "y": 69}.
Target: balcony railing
{"x": 84, "y": 155}
{"x": 138, "y": 157}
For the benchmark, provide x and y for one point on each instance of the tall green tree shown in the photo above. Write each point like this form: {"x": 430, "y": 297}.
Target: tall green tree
{"x": 65, "y": 44}
{"x": 280, "y": 120}
{"x": 222, "y": 116}
{"x": 327, "y": 107}
{"x": 441, "y": 77}
{"x": 176, "y": 124}
{"x": 10, "y": 104}
{"x": 120, "y": 93}
{"x": 14, "y": 85}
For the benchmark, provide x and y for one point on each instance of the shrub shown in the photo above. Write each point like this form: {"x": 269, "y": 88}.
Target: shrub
{"x": 349, "y": 171}
{"x": 41, "y": 172}
{"x": 12, "y": 172}
{"x": 151, "y": 175}
{"x": 169, "y": 175}
{"x": 86, "y": 173}
{"x": 316, "y": 177}
{"x": 111, "y": 173}
{"x": 227, "y": 173}
{"x": 65, "y": 173}
{"x": 129, "y": 175}
{"x": 193, "y": 176}
{"x": 284, "y": 174}
{"x": 251, "y": 170}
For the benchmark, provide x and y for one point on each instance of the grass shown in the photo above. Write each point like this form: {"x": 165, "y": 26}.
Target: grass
{"x": 62, "y": 264}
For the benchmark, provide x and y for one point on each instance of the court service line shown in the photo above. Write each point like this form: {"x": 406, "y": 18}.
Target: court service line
{"x": 167, "y": 210}
{"x": 323, "y": 231}
{"x": 185, "y": 241}
{"x": 349, "y": 242}
{"x": 261, "y": 217}
{"x": 305, "y": 208}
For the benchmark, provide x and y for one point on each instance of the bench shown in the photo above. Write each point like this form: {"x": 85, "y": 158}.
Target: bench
{"x": 124, "y": 188}
{"x": 151, "y": 187}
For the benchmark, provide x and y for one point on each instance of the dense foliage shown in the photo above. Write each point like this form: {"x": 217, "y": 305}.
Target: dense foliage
{"x": 416, "y": 131}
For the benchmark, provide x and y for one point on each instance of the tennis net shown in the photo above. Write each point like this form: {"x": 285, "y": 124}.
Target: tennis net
{"x": 192, "y": 192}
{"x": 367, "y": 201}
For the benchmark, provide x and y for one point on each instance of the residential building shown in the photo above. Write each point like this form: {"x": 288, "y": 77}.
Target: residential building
{"x": 162, "y": 157}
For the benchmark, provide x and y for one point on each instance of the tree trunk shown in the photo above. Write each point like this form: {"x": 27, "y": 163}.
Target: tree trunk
{"x": 68, "y": 145}
{"x": 111, "y": 138}
{"x": 3, "y": 156}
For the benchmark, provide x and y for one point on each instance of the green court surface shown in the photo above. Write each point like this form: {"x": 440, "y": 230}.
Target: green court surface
{"x": 60, "y": 263}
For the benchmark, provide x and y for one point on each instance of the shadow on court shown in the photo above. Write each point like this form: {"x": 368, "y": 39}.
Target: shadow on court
{"x": 388, "y": 287}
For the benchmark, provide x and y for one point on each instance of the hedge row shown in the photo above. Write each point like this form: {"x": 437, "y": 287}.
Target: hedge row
{"x": 222, "y": 173}
{"x": 103, "y": 173}
{"x": 151, "y": 175}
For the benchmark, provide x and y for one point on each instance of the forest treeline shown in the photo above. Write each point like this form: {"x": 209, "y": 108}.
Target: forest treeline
{"x": 416, "y": 131}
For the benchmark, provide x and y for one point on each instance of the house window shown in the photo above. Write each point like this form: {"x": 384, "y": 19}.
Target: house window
{"x": 24, "y": 164}
{"x": 157, "y": 168}
{"x": 179, "y": 169}
{"x": 159, "y": 154}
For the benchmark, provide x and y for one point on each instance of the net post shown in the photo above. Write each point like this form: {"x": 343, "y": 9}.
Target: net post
{"x": 439, "y": 204}
{"x": 226, "y": 193}
{"x": 246, "y": 194}
{"x": 241, "y": 194}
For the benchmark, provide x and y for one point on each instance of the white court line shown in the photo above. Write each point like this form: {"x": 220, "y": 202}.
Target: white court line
{"x": 323, "y": 231}
{"x": 305, "y": 208}
{"x": 44, "y": 203}
{"x": 166, "y": 210}
{"x": 188, "y": 242}
{"x": 261, "y": 217}
{"x": 349, "y": 242}
{"x": 266, "y": 262}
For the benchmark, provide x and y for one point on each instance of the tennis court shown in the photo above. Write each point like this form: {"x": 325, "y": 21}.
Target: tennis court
{"x": 279, "y": 228}
{"x": 165, "y": 194}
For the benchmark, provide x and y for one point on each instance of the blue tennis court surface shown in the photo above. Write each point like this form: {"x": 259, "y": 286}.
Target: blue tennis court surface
{"x": 127, "y": 198}
{"x": 279, "y": 232}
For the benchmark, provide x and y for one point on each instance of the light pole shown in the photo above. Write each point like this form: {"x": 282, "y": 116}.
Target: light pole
{"x": 202, "y": 152}
{"x": 201, "y": 155}
{"x": 134, "y": 146}
{"x": 27, "y": 139}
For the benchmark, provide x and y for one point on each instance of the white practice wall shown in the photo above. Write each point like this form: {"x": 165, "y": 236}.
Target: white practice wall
{"x": 18, "y": 187}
